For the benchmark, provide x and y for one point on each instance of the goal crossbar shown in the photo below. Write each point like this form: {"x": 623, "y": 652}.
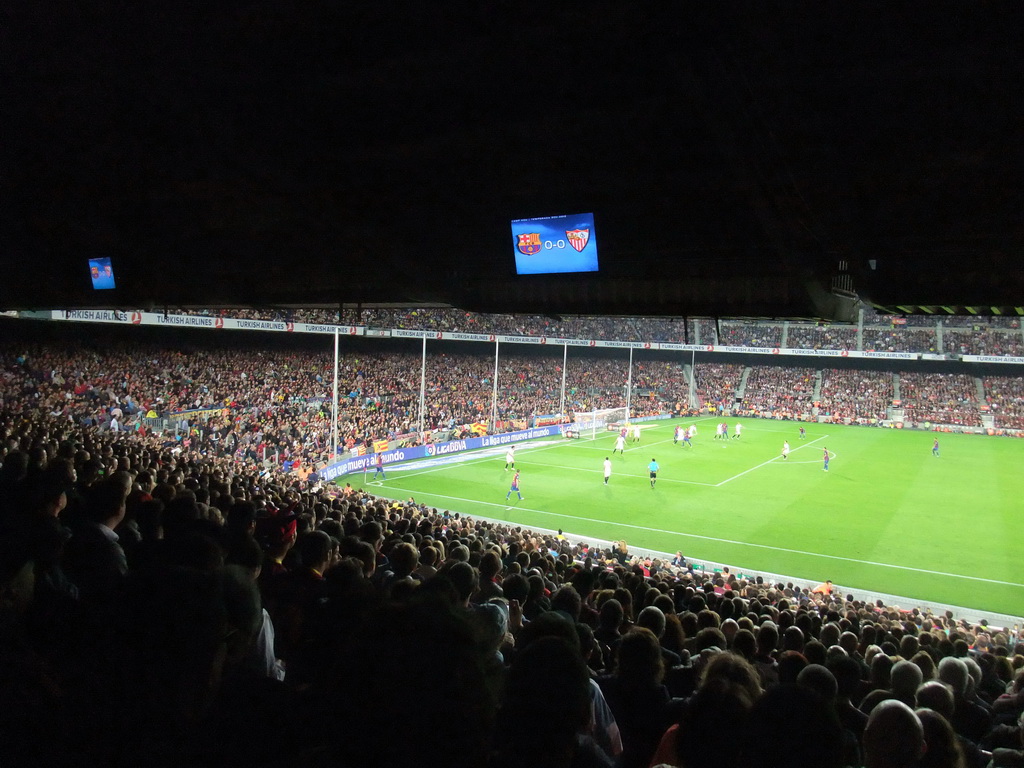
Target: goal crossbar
{"x": 592, "y": 422}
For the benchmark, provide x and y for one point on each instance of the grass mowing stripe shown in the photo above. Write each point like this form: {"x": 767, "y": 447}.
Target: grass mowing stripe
{"x": 516, "y": 507}
{"x": 623, "y": 474}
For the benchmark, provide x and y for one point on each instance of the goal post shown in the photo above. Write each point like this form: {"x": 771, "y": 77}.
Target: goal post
{"x": 592, "y": 422}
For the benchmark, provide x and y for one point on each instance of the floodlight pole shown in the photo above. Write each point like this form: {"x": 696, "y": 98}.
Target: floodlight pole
{"x": 565, "y": 357}
{"x": 334, "y": 410}
{"x": 629, "y": 383}
{"x": 494, "y": 392}
{"x": 693, "y": 378}
{"x": 423, "y": 386}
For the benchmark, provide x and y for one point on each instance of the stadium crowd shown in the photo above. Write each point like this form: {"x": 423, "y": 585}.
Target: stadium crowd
{"x": 943, "y": 398}
{"x": 900, "y": 339}
{"x": 717, "y": 383}
{"x": 708, "y": 330}
{"x": 984, "y": 341}
{"x": 165, "y": 609}
{"x": 821, "y": 337}
{"x": 178, "y": 603}
{"x": 259, "y": 401}
{"x": 849, "y": 396}
{"x": 1005, "y": 398}
{"x": 947, "y": 321}
{"x": 750, "y": 335}
{"x": 916, "y": 333}
{"x": 784, "y": 393}
{"x": 256, "y": 402}
{"x": 449, "y": 319}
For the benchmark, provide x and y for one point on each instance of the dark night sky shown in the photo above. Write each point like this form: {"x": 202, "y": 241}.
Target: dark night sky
{"x": 321, "y": 152}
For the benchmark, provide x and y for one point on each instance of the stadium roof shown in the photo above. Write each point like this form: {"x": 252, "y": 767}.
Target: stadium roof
{"x": 750, "y": 159}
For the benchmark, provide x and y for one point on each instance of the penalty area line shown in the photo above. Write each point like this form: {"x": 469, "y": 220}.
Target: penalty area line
{"x": 770, "y": 461}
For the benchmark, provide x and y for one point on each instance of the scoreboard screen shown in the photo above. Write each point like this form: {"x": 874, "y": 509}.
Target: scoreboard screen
{"x": 102, "y": 273}
{"x": 551, "y": 244}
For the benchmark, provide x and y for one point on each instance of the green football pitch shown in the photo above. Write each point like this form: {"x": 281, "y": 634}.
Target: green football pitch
{"x": 887, "y": 517}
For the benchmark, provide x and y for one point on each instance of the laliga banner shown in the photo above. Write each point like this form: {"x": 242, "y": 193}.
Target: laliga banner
{"x": 359, "y": 463}
{"x": 198, "y": 321}
{"x": 547, "y": 419}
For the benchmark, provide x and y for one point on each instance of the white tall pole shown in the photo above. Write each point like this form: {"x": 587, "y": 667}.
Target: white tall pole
{"x": 565, "y": 357}
{"x": 423, "y": 387}
{"x": 693, "y": 377}
{"x": 494, "y": 391}
{"x": 629, "y": 383}
{"x": 334, "y": 410}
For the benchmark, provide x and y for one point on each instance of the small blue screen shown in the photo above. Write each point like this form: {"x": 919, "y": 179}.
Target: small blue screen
{"x": 102, "y": 274}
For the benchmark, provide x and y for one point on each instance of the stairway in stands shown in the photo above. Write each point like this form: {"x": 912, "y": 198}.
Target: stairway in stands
{"x": 691, "y": 387}
{"x": 988, "y": 419}
{"x": 741, "y": 390}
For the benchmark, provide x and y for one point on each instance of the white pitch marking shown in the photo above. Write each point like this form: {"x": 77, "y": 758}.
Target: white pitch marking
{"x": 631, "y": 446}
{"x": 766, "y": 463}
{"x": 623, "y": 474}
{"x": 725, "y": 541}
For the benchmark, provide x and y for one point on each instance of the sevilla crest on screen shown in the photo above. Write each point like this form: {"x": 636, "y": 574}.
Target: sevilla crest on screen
{"x": 578, "y": 238}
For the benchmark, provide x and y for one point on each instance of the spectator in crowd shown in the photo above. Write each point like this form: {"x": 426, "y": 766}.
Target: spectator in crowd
{"x": 970, "y": 719}
{"x": 904, "y": 678}
{"x": 94, "y": 559}
{"x": 818, "y": 743}
{"x": 640, "y": 702}
{"x": 942, "y": 750}
{"x": 894, "y": 737}
{"x": 556, "y": 725}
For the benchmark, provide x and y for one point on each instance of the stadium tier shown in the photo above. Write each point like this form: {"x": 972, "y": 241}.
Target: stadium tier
{"x": 182, "y": 555}
{"x": 941, "y": 337}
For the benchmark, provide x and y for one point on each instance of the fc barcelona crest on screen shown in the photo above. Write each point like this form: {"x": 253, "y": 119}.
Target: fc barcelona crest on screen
{"x": 578, "y": 238}
{"x": 529, "y": 243}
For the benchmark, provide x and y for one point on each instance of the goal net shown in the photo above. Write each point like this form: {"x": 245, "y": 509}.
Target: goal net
{"x": 591, "y": 423}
